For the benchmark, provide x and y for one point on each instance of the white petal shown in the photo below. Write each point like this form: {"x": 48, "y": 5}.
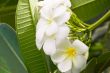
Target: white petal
{"x": 63, "y": 18}
{"x": 80, "y": 47}
{"x": 64, "y": 44}
{"x": 75, "y": 70}
{"x": 56, "y": 3}
{"x": 46, "y": 12}
{"x": 41, "y": 3}
{"x": 58, "y": 57}
{"x": 47, "y": 2}
{"x": 40, "y": 43}
{"x": 68, "y": 71}
{"x": 52, "y": 29}
{"x": 49, "y": 47}
{"x": 86, "y": 55}
{"x": 65, "y": 66}
{"x": 52, "y": 3}
{"x": 79, "y": 62}
{"x": 41, "y": 23}
{"x": 40, "y": 33}
{"x": 59, "y": 11}
{"x": 40, "y": 29}
{"x": 67, "y": 3}
{"x": 62, "y": 33}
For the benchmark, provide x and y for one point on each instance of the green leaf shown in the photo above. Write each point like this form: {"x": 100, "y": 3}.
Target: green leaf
{"x": 3, "y": 66}
{"x": 103, "y": 62}
{"x": 106, "y": 39}
{"x": 90, "y": 66}
{"x": 9, "y": 49}
{"x": 98, "y": 65}
{"x": 7, "y": 11}
{"x": 78, "y": 3}
{"x": 6, "y": 3}
{"x": 25, "y": 26}
{"x": 89, "y": 9}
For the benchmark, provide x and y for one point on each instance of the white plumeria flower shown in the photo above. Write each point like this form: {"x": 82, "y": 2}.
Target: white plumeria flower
{"x": 49, "y": 42}
{"x": 71, "y": 58}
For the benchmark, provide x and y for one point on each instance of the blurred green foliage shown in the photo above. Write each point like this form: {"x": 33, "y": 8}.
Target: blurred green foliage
{"x": 7, "y": 11}
{"x": 9, "y": 50}
{"x": 86, "y": 10}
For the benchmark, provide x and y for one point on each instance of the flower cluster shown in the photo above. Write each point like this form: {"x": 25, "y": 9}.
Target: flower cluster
{"x": 51, "y": 35}
{"x": 51, "y": 27}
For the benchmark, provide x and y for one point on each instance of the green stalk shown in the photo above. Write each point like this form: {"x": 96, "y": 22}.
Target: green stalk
{"x": 101, "y": 20}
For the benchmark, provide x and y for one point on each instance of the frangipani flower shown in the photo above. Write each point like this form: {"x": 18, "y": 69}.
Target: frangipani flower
{"x": 71, "y": 58}
{"x": 49, "y": 42}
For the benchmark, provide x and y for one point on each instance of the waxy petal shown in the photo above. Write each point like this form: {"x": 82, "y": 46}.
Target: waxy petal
{"x": 41, "y": 3}
{"x": 41, "y": 23}
{"x": 67, "y": 3}
{"x": 65, "y": 66}
{"x": 63, "y": 18}
{"x": 40, "y": 32}
{"x": 40, "y": 43}
{"x": 59, "y": 11}
{"x": 64, "y": 44}
{"x": 58, "y": 57}
{"x": 73, "y": 70}
{"x": 62, "y": 33}
{"x": 86, "y": 55}
{"x": 49, "y": 47}
{"x": 40, "y": 29}
{"x": 52, "y": 29}
{"x": 52, "y": 3}
{"x": 48, "y": 3}
{"x": 68, "y": 71}
{"x": 46, "y": 12}
{"x": 80, "y": 47}
{"x": 79, "y": 62}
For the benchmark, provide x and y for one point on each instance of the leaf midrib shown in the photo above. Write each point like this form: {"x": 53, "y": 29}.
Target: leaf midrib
{"x": 46, "y": 65}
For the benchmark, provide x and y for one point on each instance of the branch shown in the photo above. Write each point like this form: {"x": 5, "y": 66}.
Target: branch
{"x": 101, "y": 20}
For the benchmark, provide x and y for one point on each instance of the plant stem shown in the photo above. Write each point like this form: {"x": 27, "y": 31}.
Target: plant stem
{"x": 101, "y": 20}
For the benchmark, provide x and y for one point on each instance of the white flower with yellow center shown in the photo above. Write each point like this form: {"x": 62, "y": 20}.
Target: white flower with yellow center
{"x": 71, "y": 58}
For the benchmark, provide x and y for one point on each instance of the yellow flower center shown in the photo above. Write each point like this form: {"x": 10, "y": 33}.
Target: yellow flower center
{"x": 71, "y": 52}
{"x": 49, "y": 21}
